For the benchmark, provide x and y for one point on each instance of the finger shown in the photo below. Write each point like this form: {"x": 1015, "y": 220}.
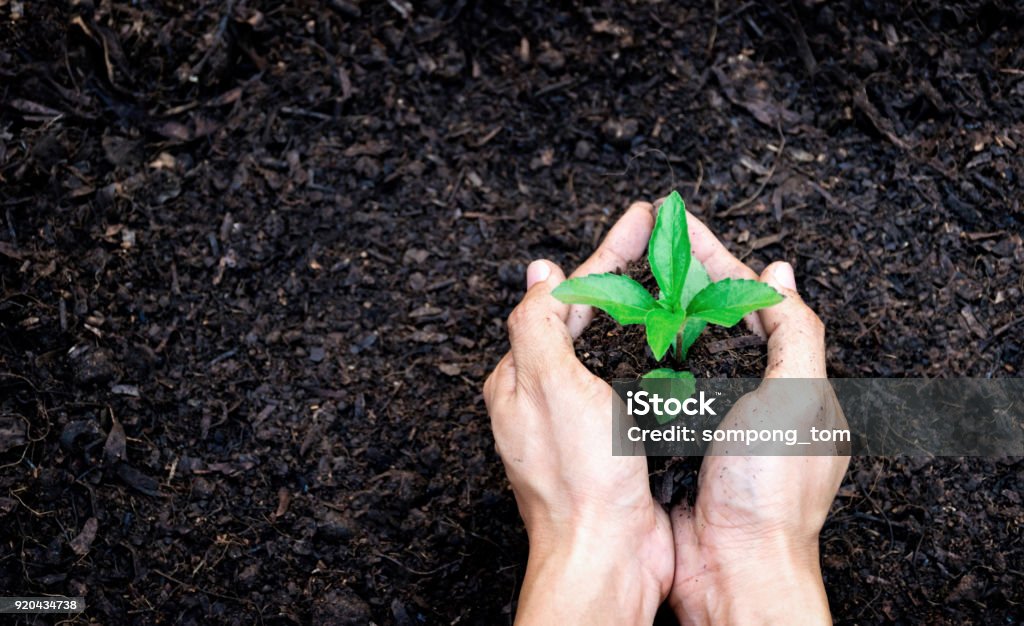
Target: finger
{"x": 719, "y": 262}
{"x": 796, "y": 337}
{"x": 540, "y": 340}
{"x": 625, "y": 242}
{"x": 716, "y": 258}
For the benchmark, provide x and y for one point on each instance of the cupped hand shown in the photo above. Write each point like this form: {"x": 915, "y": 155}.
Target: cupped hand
{"x": 747, "y": 550}
{"x": 600, "y": 546}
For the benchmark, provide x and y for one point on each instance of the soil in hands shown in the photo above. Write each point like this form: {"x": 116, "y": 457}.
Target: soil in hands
{"x": 612, "y": 351}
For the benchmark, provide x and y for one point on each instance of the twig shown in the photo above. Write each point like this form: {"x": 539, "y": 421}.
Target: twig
{"x": 306, "y": 113}
{"x": 223, "y": 355}
{"x": 714, "y": 30}
{"x": 10, "y": 227}
{"x": 568, "y": 82}
{"x": 30, "y": 509}
{"x": 792, "y": 22}
{"x": 411, "y": 570}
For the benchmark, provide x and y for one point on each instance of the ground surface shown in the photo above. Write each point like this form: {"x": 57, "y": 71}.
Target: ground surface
{"x": 255, "y": 259}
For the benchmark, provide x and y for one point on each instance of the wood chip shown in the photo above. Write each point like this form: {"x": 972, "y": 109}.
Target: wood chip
{"x": 116, "y": 446}
{"x": 283, "y": 500}
{"x": 451, "y": 369}
{"x": 10, "y": 251}
{"x": 33, "y": 108}
{"x": 768, "y": 240}
{"x": 426, "y": 336}
{"x": 973, "y": 324}
{"x": 80, "y": 544}
{"x": 138, "y": 481}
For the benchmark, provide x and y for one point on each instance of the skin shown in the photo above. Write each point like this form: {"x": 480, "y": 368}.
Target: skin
{"x": 602, "y": 551}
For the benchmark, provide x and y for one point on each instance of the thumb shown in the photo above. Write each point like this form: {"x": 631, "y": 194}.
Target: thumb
{"x": 539, "y": 271}
{"x": 537, "y": 326}
{"x": 796, "y": 337}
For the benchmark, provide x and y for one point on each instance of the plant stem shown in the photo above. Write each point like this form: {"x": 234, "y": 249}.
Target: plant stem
{"x": 679, "y": 347}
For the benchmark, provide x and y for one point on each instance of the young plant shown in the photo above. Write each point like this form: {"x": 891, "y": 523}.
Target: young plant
{"x": 688, "y": 301}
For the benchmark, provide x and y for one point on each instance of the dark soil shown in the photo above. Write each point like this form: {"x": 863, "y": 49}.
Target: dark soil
{"x": 256, "y": 257}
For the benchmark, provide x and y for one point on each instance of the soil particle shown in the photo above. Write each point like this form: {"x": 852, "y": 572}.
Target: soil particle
{"x": 91, "y": 365}
{"x": 342, "y": 607}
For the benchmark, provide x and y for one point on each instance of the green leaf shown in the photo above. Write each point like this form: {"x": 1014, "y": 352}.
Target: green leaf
{"x": 668, "y": 372}
{"x": 691, "y": 330}
{"x": 662, "y": 326}
{"x": 696, "y": 279}
{"x": 727, "y": 301}
{"x": 681, "y": 385}
{"x": 669, "y": 249}
{"x": 619, "y": 296}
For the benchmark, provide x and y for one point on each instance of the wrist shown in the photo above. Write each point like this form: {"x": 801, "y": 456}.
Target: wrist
{"x": 588, "y": 577}
{"x": 778, "y": 584}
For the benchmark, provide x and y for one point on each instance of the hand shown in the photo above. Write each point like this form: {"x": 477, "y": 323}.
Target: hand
{"x": 747, "y": 551}
{"x": 600, "y": 546}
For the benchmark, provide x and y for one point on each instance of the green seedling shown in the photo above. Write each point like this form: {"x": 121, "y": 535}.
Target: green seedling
{"x": 688, "y": 301}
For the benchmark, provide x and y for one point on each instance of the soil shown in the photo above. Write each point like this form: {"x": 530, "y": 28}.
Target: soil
{"x": 256, "y": 257}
